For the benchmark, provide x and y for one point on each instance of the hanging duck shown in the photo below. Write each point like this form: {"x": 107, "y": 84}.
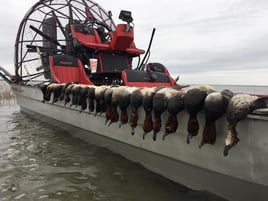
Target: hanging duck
{"x": 214, "y": 107}
{"x": 239, "y": 107}
{"x": 124, "y": 102}
{"x": 160, "y": 101}
{"x": 194, "y": 102}
{"x": 174, "y": 106}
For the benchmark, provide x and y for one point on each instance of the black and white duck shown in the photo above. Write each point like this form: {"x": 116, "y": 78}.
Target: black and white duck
{"x": 136, "y": 99}
{"x": 214, "y": 107}
{"x": 147, "y": 102}
{"x": 194, "y": 103}
{"x": 160, "y": 102}
{"x": 174, "y": 106}
{"x": 124, "y": 102}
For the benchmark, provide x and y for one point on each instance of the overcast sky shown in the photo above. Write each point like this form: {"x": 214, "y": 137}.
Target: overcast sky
{"x": 204, "y": 41}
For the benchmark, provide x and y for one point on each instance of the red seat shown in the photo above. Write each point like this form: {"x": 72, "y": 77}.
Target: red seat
{"x": 121, "y": 39}
{"x": 65, "y": 68}
{"x": 124, "y": 41}
{"x": 136, "y": 78}
{"x": 91, "y": 40}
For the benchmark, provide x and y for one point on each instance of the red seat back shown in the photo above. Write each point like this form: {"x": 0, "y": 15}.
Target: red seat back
{"x": 90, "y": 38}
{"x": 65, "y": 68}
{"x": 121, "y": 39}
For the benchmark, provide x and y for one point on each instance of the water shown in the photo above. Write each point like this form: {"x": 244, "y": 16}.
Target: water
{"x": 6, "y": 94}
{"x": 259, "y": 90}
{"x": 40, "y": 162}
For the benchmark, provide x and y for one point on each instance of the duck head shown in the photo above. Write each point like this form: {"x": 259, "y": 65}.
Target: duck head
{"x": 231, "y": 140}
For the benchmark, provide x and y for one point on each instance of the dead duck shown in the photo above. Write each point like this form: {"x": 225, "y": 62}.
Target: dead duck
{"x": 214, "y": 107}
{"x": 174, "y": 106}
{"x": 147, "y": 103}
{"x": 67, "y": 93}
{"x": 114, "y": 117}
{"x": 91, "y": 98}
{"x": 124, "y": 102}
{"x": 160, "y": 101}
{"x": 239, "y": 107}
{"x": 99, "y": 98}
{"x": 136, "y": 99}
{"x": 43, "y": 88}
{"x": 48, "y": 90}
{"x": 107, "y": 97}
{"x": 62, "y": 95}
{"x": 75, "y": 91}
{"x": 51, "y": 89}
{"x": 194, "y": 102}
{"x": 57, "y": 89}
{"x": 83, "y": 97}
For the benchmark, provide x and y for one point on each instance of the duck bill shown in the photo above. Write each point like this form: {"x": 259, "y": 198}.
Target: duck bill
{"x": 165, "y": 135}
{"x": 156, "y": 127}
{"x": 106, "y": 121}
{"x": 144, "y": 135}
{"x": 230, "y": 141}
{"x": 188, "y": 139}
{"x": 133, "y": 131}
{"x": 110, "y": 123}
{"x": 154, "y": 135}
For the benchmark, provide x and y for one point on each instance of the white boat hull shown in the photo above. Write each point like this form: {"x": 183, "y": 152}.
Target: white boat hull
{"x": 242, "y": 175}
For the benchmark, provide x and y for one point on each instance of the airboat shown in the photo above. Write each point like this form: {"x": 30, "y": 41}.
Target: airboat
{"x": 76, "y": 42}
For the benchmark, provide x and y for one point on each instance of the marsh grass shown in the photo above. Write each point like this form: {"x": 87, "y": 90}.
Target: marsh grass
{"x": 7, "y": 97}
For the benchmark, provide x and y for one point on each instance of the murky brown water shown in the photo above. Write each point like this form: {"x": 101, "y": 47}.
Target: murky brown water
{"x": 40, "y": 162}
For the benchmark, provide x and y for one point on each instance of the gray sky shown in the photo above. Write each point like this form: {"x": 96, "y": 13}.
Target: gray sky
{"x": 204, "y": 41}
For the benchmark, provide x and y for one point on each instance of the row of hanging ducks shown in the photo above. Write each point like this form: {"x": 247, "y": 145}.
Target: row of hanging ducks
{"x": 107, "y": 99}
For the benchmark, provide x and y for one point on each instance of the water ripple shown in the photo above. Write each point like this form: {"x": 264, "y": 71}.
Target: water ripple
{"x": 41, "y": 162}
